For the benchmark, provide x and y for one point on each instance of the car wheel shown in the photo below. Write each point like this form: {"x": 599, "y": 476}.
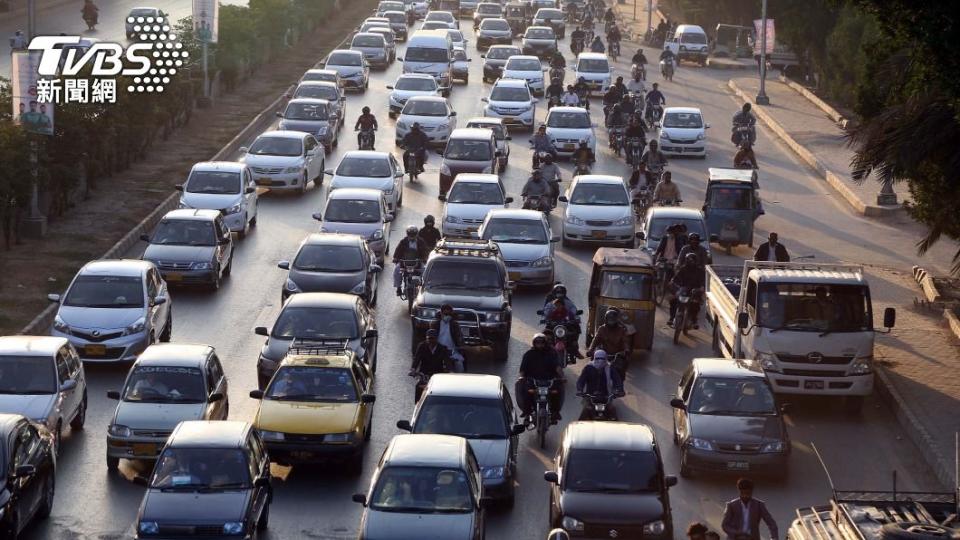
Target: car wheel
{"x": 112, "y": 463}
{"x": 264, "y": 520}
{"x": 242, "y": 233}
{"x": 58, "y": 437}
{"x": 168, "y": 328}
{"x": 78, "y": 420}
{"x": 253, "y": 220}
{"x": 215, "y": 284}
{"x": 46, "y": 505}
{"x": 685, "y": 471}
{"x": 303, "y": 183}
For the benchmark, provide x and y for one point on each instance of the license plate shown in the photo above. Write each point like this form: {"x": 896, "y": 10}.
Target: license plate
{"x": 569, "y": 146}
{"x": 514, "y": 276}
{"x": 144, "y": 449}
{"x": 472, "y": 230}
{"x": 509, "y": 118}
{"x": 173, "y": 276}
{"x": 738, "y": 465}
{"x": 95, "y": 350}
{"x": 813, "y": 385}
{"x": 598, "y": 234}
{"x": 264, "y": 182}
{"x": 301, "y": 454}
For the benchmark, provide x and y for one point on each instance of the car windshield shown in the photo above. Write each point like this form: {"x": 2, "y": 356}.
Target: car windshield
{"x": 809, "y": 307}
{"x": 163, "y": 384}
{"x": 143, "y": 12}
{"x": 319, "y": 76}
{"x": 368, "y": 41}
{"x": 682, "y": 120}
{"x": 434, "y": 25}
{"x": 593, "y": 65}
{"x": 213, "y": 182}
{"x": 316, "y": 91}
{"x": 320, "y": 258}
{"x": 730, "y": 198}
{"x": 201, "y": 469}
{"x": 459, "y": 54}
{"x": 515, "y": 231}
{"x": 548, "y": 14}
{"x": 466, "y": 417}
{"x": 496, "y": 53}
{"x": 343, "y": 59}
{"x": 352, "y": 211}
{"x": 489, "y": 9}
{"x": 496, "y": 25}
{"x": 695, "y": 38}
{"x": 475, "y": 193}
{"x": 365, "y": 167}
{"x": 659, "y": 225}
{"x": 416, "y": 84}
{"x": 568, "y": 120}
{"x": 422, "y": 490}
{"x": 425, "y": 54}
{"x": 599, "y": 195}
{"x": 439, "y": 16}
{"x": 731, "y": 397}
{"x": 539, "y": 33}
{"x": 280, "y": 146}
{"x": 611, "y": 471}
{"x": 419, "y": 107}
{"x": 523, "y": 64}
{"x": 27, "y": 375}
{"x": 509, "y": 93}
{"x": 460, "y": 274}
{"x": 96, "y": 291}
{"x": 455, "y": 36}
{"x": 316, "y": 323}
{"x": 468, "y": 150}
{"x": 184, "y": 232}
{"x": 306, "y": 111}
{"x": 308, "y": 383}
{"x": 628, "y": 286}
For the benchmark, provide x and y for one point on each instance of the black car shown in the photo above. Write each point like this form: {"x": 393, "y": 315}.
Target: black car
{"x": 28, "y": 473}
{"x": 212, "y": 480}
{"x": 609, "y": 483}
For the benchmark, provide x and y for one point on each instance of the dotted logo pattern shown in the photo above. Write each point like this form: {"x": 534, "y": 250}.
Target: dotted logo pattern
{"x": 168, "y": 53}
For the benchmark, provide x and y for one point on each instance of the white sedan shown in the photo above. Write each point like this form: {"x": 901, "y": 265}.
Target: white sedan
{"x": 410, "y": 85}
{"x": 371, "y": 170}
{"x": 435, "y": 116}
{"x": 285, "y": 160}
{"x": 567, "y": 127}
{"x": 598, "y": 211}
{"x": 527, "y": 68}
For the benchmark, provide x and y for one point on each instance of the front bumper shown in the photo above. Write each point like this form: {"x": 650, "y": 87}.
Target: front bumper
{"x": 694, "y": 55}
{"x": 696, "y": 148}
{"x": 120, "y": 349}
{"x": 189, "y": 277}
{"x": 520, "y": 118}
{"x": 811, "y": 384}
{"x": 278, "y": 181}
{"x": 529, "y": 275}
{"x": 145, "y": 448}
{"x": 734, "y": 462}
{"x": 463, "y": 230}
{"x": 596, "y": 85}
{"x": 236, "y": 222}
{"x": 435, "y": 137}
{"x": 598, "y": 234}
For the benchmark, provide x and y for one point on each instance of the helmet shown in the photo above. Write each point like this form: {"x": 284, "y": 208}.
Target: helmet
{"x": 693, "y": 236}
{"x": 558, "y": 534}
{"x": 548, "y": 158}
{"x": 538, "y": 336}
{"x": 617, "y": 107}
{"x": 366, "y": 110}
{"x": 559, "y": 289}
{"x": 691, "y": 258}
{"x": 411, "y": 231}
{"x": 429, "y": 220}
{"x": 416, "y": 125}
{"x": 746, "y": 107}
{"x": 613, "y": 314}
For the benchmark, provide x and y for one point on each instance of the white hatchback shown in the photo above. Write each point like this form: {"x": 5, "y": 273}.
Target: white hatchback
{"x": 527, "y": 68}
{"x": 568, "y": 126}
{"x": 435, "y": 116}
{"x": 595, "y": 70}
{"x": 226, "y": 186}
{"x": 683, "y": 132}
{"x": 471, "y": 196}
{"x": 410, "y": 85}
{"x": 598, "y": 211}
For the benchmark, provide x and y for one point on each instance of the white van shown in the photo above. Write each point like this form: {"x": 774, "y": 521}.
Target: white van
{"x": 431, "y": 52}
{"x": 689, "y": 42}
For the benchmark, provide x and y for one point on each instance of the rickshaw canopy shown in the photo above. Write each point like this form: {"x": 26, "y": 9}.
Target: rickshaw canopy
{"x": 626, "y": 258}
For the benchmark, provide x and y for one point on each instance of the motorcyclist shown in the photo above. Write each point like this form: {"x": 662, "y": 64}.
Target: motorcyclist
{"x": 536, "y": 187}
{"x": 429, "y": 233}
{"x": 611, "y": 98}
{"x": 597, "y": 45}
{"x": 620, "y": 86}
{"x": 671, "y": 243}
{"x": 599, "y": 379}
{"x": 667, "y": 54}
{"x": 654, "y": 160}
{"x": 430, "y": 358}
{"x": 667, "y": 190}
{"x": 416, "y": 141}
{"x": 655, "y": 96}
{"x": 635, "y": 131}
{"x": 540, "y": 362}
{"x": 542, "y": 143}
{"x": 558, "y": 61}
{"x": 636, "y": 85}
{"x": 409, "y": 248}
{"x": 689, "y": 275}
{"x": 744, "y": 117}
{"x": 572, "y": 10}
{"x": 694, "y": 247}
{"x": 611, "y": 336}
{"x": 577, "y": 35}
{"x": 745, "y": 158}
{"x": 627, "y": 106}
{"x": 551, "y": 311}
{"x": 551, "y": 175}
{"x": 584, "y": 154}
{"x": 614, "y": 37}
{"x": 91, "y": 13}
{"x": 639, "y": 58}
{"x": 555, "y": 90}
{"x": 583, "y": 92}
{"x": 609, "y": 16}
{"x": 365, "y": 122}
{"x": 558, "y": 534}
{"x": 570, "y": 97}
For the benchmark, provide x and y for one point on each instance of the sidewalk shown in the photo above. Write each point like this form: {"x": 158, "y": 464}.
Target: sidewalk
{"x": 817, "y": 139}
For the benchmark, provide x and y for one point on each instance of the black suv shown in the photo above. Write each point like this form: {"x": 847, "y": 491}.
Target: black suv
{"x": 470, "y": 276}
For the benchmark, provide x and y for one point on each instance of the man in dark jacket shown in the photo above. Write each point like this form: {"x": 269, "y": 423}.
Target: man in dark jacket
{"x": 450, "y": 336}
{"x": 539, "y": 363}
{"x": 429, "y": 233}
{"x": 741, "y": 519}
{"x": 409, "y": 248}
{"x": 431, "y": 358}
{"x": 772, "y": 251}
{"x": 598, "y": 378}
{"x": 690, "y": 275}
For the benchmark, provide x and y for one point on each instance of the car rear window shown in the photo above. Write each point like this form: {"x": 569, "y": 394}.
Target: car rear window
{"x": 365, "y": 167}
{"x": 368, "y": 41}
{"x": 320, "y": 258}
{"x": 344, "y": 59}
{"x": 524, "y": 64}
{"x": 468, "y": 150}
{"x": 540, "y": 33}
{"x": 497, "y": 53}
{"x": 495, "y": 24}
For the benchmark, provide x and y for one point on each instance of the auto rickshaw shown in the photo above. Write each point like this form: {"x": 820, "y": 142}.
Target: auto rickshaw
{"x": 731, "y": 206}
{"x": 623, "y": 279}
{"x": 517, "y": 15}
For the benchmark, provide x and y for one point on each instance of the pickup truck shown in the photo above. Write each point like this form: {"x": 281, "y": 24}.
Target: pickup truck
{"x": 809, "y": 326}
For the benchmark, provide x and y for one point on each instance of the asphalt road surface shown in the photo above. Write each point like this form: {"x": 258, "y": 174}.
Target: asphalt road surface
{"x": 314, "y": 502}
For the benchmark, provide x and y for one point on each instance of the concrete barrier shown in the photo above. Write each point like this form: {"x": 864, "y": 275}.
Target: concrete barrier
{"x": 834, "y": 115}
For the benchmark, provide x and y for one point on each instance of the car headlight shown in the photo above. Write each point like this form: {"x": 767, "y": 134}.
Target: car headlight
{"x": 291, "y": 286}
{"x": 136, "y": 327}
{"x": 271, "y": 435}
{"x": 654, "y": 527}
{"x": 574, "y": 220}
{"x": 359, "y": 288}
{"x": 543, "y": 262}
{"x": 772, "y": 447}
{"x": 321, "y": 130}
{"x": 445, "y": 170}
{"x": 624, "y": 221}
{"x": 200, "y": 266}
{"x": 492, "y": 472}
{"x": 60, "y": 326}
{"x": 452, "y": 219}
{"x": 148, "y": 527}
{"x": 664, "y": 135}
{"x": 443, "y": 127}
{"x": 701, "y": 136}
{"x": 701, "y": 444}
{"x": 234, "y": 209}
{"x": 338, "y": 437}
{"x": 572, "y": 524}
{"x": 388, "y": 191}
{"x": 401, "y": 125}
{"x": 426, "y": 312}
{"x": 118, "y": 431}
{"x": 233, "y": 527}
{"x": 292, "y": 170}
{"x": 861, "y": 365}
{"x": 183, "y": 205}
{"x": 377, "y": 235}
{"x": 768, "y": 361}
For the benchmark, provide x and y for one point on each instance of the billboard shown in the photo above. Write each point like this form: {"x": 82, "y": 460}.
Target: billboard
{"x": 30, "y": 110}
{"x": 206, "y": 14}
{"x": 771, "y": 36}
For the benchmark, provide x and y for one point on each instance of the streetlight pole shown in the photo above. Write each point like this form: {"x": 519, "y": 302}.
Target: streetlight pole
{"x": 762, "y": 98}
{"x": 35, "y": 224}
{"x": 649, "y": 16}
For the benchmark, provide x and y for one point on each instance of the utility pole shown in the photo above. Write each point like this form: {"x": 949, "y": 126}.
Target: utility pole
{"x": 34, "y": 225}
{"x": 762, "y": 98}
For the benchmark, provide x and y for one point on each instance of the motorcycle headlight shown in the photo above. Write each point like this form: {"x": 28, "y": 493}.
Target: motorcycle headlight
{"x": 701, "y": 444}
{"x": 291, "y": 286}
{"x": 148, "y": 527}
{"x": 452, "y": 219}
{"x": 624, "y": 221}
{"x": 772, "y": 447}
{"x": 574, "y": 220}
{"x": 233, "y": 527}
{"x": 359, "y": 288}
{"x": 119, "y": 431}
{"x": 136, "y": 327}
{"x": 200, "y": 266}
{"x": 492, "y": 472}
{"x": 292, "y": 170}
{"x": 271, "y": 435}
{"x": 768, "y": 361}
{"x": 338, "y": 437}
{"x": 234, "y": 209}
{"x": 377, "y": 235}
{"x": 543, "y": 262}
{"x": 654, "y": 527}
{"x": 60, "y": 326}
{"x": 445, "y": 170}
{"x": 572, "y": 524}
{"x": 861, "y": 365}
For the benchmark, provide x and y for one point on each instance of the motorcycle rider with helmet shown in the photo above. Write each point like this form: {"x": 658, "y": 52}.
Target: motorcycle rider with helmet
{"x": 540, "y": 362}
{"x": 429, "y": 233}
{"x": 416, "y": 142}
{"x": 551, "y": 175}
{"x": 598, "y": 378}
{"x": 542, "y": 143}
{"x": 555, "y": 90}
{"x": 430, "y": 358}
{"x": 597, "y": 45}
{"x": 694, "y": 247}
{"x": 409, "y": 248}
{"x": 612, "y": 336}
{"x": 654, "y": 160}
{"x": 688, "y": 276}
{"x": 744, "y": 118}
{"x": 559, "y": 292}
{"x": 366, "y": 122}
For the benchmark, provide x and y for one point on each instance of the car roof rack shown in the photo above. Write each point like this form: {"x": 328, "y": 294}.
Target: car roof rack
{"x": 479, "y": 248}
{"x": 319, "y": 347}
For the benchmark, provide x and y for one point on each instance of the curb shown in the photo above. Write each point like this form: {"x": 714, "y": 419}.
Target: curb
{"x": 716, "y": 64}
{"x": 927, "y": 285}
{"x": 22, "y": 11}
{"x": 834, "y": 115}
{"x": 952, "y": 321}
{"x": 832, "y": 178}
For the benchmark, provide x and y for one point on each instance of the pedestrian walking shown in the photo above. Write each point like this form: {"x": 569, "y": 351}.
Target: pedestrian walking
{"x": 741, "y": 519}
{"x": 772, "y": 250}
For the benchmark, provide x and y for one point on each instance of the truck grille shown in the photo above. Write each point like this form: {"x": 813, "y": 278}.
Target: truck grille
{"x": 813, "y": 373}
{"x": 823, "y": 360}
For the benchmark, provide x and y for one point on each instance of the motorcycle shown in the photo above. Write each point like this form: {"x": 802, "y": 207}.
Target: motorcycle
{"x": 637, "y": 98}
{"x": 689, "y": 306}
{"x": 91, "y": 17}
{"x": 634, "y": 152}
{"x": 542, "y": 415}
{"x": 366, "y": 139}
{"x": 566, "y": 335}
{"x": 653, "y": 114}
{"x": 557, "y": 73}
{"x": 638, "y": 69}
{"x": 581, "y": 168}
{"x": 614, "y": 49}
{"x": 666, "y": 69}
{"x": 537, "y": 202}
{"x": 576, "y": 46}
{"x": 663, "y": 277}
{"x": 411, "y": 165}
{"x": 553, "y": 102}
{"x": 600, "y": 407}
{"x": 420, "y": 381}
{"x": 410, "y": 269}
{"x": 741, "y": 133}
{"x": 616, "y": 140}
{"x": 539, "y": 156}
{"x": 641, "y": 202}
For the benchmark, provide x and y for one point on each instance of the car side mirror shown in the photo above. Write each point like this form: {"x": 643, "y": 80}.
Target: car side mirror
{"x": 552, "y": 477}
{"x": 453, "y": 113}
{"x": 178, "y": 187}
{"x": 518, "y": 429}
{"x": 279, "y": 114}
{"x": 375, "y": 269}
{"x": 389, "y": 87}
{"x": 371, "y": 333}
{"x": 398, "y": 174}
{"x": 145, "y": 238}
{"x": 889, "y": 317}
{"x": 404, "y": 425}
{"x": 670, "y": 480}
{"x": 328, "y": 171}
{"x": 262, "y": 482}
{"x": 508, "y": 200}
{"x": 261, "y": 331}
{"x": 283, "y": 265}
{"x": 225, "y": 239}
{"x": 68, "y": 385}
{"x": 641, "y": 235}
{"x": 160, "y": 300}
{"x": 113, "y": 394}
{"x": 485, "y": 100}
{"x": 743, "y": 320}
{"x": 55, "y": 298}
{"x": 706, "y": 126}
{"x": 256, "y": 394}
{"x": 442, "y": 197}
{"x": 317, "y": 216}
{"x": 244, "y": 149}
{"x": 360, "y": 498}
{"x": 563, "y": 198}
{"x": 250, "y": 189}
{"x": 215, "y": 397}
{"x": 368, "y": 398}
{"x": 141, "y": 481}
{"x": 677, "y": 403}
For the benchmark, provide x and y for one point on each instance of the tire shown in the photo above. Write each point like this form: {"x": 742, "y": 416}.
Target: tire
{"x": 58, "y": 438}
{"x": 253, "y": 221}
{"x": 303, "y": 184}
{"x": 215, "y": 284}
{"x": 678, "y": 328}
{"x": 78, "y": 420}
{"x": 167, "y": 329}
{"x": 543, "y": 422}
{"x": 685, "y": 471}
{"x": 565, "y": 243}
{"x": 659, "y": 293}
{"x": 264, "y": 521}
{"x": 46, "y": 504}
{"x": 410, "y": 296}
{"x": 112, "y": 463}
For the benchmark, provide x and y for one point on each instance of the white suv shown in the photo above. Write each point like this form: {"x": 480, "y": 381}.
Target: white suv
{"x": 567, "y": 127}
{"x": 595, "y": 70}
{"x": 511, "y": 100}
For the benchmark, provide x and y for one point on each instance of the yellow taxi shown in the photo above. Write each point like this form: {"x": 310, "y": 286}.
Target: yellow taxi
{"x": 317, "y": 407}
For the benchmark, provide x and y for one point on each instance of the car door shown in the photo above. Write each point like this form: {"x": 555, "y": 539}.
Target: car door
{"x": 156, "y": 314}
{"x": 512, "y": 419}
{"x": 78, "y": 374}
{"x": 367, "y": 322}
{"x": 28, "y": 486}
{"x": 362, "y": 375}
{"x": 216, "y": 383}
{"x": 680, "y": 417}
{"x": 67, "y": 400}
{"x": 397, "y": 176}
{"x": 251, "y": 199}
{"x": 224, "y": 251}
{"x": 312, "y": 157}
{"x": 259, "y": 468}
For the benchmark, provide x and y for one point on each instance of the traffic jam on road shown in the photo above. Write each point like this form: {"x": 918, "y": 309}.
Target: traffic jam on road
{"x": 547, "y": 357}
